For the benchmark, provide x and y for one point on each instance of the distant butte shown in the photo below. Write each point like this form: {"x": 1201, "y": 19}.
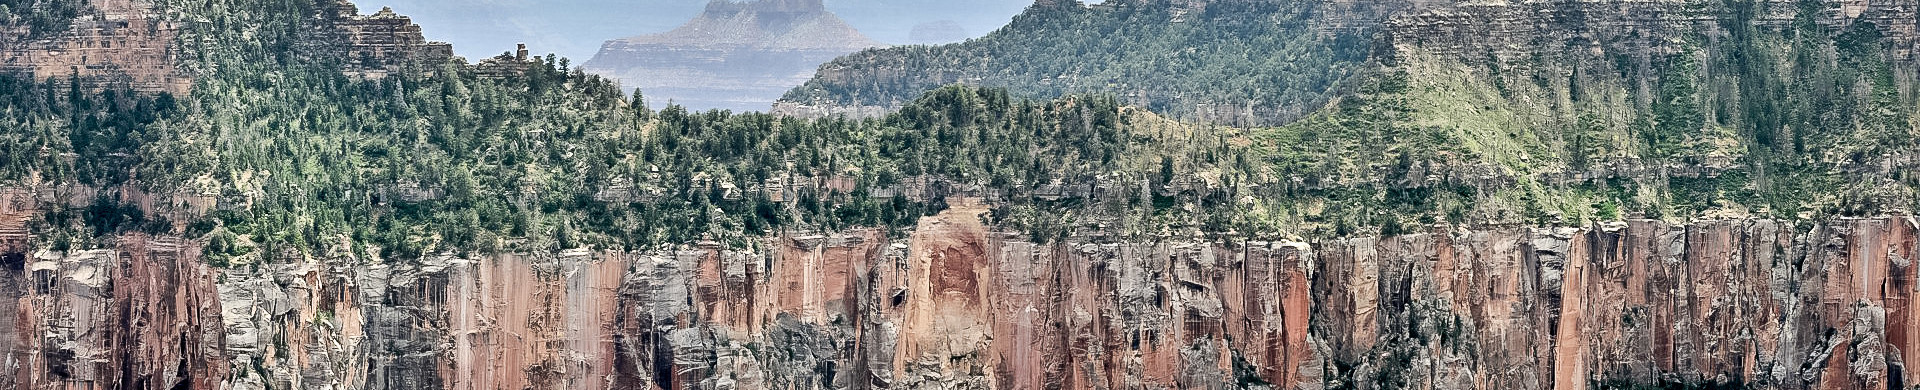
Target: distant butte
{"x": 738, "y": 56}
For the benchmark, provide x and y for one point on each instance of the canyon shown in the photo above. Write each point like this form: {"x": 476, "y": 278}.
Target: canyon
{"x": 960, "y": 298}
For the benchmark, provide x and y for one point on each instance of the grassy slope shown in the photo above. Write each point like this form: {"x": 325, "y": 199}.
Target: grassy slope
{"x": 1799, "y": 123}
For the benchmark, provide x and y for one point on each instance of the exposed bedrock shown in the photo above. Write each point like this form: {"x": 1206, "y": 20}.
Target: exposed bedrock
{"x": 958, "y": 304}
{"x": 143, "y": 315}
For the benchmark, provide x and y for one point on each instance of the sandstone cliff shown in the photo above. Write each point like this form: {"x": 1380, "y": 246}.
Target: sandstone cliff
{"x": 122, "y": 42}
{"x": 957, "y": 304}
{"x": 738, "y": 56}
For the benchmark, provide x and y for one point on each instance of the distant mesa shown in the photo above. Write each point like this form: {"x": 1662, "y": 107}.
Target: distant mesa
{"x": 944, "y": 31}
{"x": 734, "y": 55}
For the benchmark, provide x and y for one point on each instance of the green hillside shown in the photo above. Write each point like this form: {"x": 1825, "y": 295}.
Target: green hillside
{"x": 1187, "y": 62}
{"x": 1807, "y": 121}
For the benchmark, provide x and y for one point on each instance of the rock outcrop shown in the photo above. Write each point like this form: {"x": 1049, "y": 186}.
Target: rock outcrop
{"x": 375, "y": 44}
{"x": 738, "y": 56}
{"x": 132, "y": 43}
{"x": 1513, "y": 31}
{"x": 959, "y": 304}
{"x": 141, "y": 315}
{"x": 116, "y": 42}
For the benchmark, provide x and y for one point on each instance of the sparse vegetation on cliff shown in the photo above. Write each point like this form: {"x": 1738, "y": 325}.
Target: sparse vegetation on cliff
{"x": 40, "y": 17}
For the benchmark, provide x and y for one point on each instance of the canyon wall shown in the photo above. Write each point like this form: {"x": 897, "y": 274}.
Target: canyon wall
{"x": 958, "y": 304}
{"x": 116, "y": 41}
{"x": 1515, "y": 31}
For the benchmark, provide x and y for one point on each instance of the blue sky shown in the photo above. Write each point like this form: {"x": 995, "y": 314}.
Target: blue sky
{"x": 575, "y": 28}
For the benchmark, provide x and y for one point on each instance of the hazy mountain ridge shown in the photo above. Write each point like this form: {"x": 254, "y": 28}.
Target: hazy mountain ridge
{"x": 774, "y": 24}
{"x": 1231, "y": 62}
{"x": 734, "y": 55}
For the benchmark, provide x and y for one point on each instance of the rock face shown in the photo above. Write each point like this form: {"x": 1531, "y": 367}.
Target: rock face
{"x": 142, "y": 315}
{"x": 1477, "y": 30}
{"x": 738, "y": 56}
{"x": 959, "y": 304}
{"x": 118, "y": 42}
{"x": 132, "y": 43}
{"x": 374, "y": 44}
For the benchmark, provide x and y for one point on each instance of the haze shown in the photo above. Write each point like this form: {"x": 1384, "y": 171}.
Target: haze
{"x": 576, "y": 28}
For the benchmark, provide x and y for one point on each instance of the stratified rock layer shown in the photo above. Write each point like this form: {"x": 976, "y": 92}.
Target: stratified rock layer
{"x": 1514, "y": 30}
{"x": 375, "y": 44}
{"x": 958, "y": 304}
{"x": 143, "y": 315}
{"x": 120, "y": 42}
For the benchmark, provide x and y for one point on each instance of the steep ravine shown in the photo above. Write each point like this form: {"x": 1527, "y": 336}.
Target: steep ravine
{"x": 958, "y": 304}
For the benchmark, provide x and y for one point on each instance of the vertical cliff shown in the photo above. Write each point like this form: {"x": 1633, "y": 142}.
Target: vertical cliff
{"x": 1759, "y": 303}
{"x": 143, "y": 315}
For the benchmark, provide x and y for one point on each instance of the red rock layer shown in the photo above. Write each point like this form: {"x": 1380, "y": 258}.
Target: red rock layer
{"x": 1759, "y": 303}
{"x": 141, "y": 316}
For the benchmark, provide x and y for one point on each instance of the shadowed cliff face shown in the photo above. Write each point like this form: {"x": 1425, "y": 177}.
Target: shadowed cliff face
{"x": 143, "y": 315}
{"x": 956, "y": 303}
